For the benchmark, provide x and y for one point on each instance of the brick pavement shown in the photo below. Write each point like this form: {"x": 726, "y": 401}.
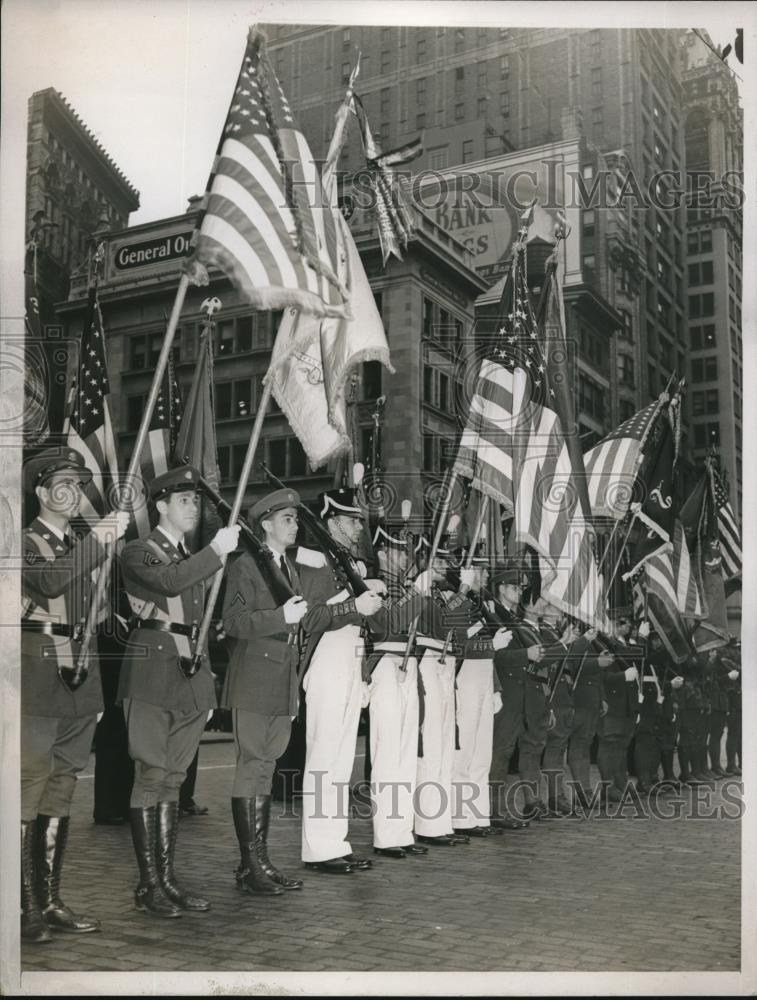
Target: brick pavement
{"x": 597, "y": 895}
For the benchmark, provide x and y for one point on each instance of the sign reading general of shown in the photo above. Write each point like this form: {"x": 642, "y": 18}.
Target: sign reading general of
{"x": 158, "y": 250}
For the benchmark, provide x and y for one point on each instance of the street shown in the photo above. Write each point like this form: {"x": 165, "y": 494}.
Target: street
{"x": 625, "y": 894}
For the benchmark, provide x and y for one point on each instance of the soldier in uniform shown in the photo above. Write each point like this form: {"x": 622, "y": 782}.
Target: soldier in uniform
{"x": 58, "y": 713}
{"x": 620, "y": 693}
{"x": 478, "y": 700}
{"x": 166, "y": 697}
{"x": 262, "y": 682}
{"x": 334, "y": 691}
{"x": 592, "y": 658}
{"x": 733, "y": 720}
{"x": 718, "y": 711}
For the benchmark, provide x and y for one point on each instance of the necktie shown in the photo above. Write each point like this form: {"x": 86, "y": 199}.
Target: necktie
{"x": 285, "y": 570}
{"x": 182, "y": 551}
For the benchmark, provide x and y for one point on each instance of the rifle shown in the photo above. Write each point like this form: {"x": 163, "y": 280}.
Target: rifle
{"x": 275, "y": 580}
{"x": 335, "y": 551}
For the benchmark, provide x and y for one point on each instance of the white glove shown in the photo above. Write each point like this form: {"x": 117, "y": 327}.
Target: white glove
{"x": 467, "y": 577}
{"x": 376, "y": 585}
{"x": 676, "y": 682}
{"x": 368, "y": 603}
{"x": 497, "y": 702}
{"x": 365, "y": 695}
{"x": 502, "y": 638}
{"x": 423, "y": 582}
{"x": 295, "y": 610}
{"x": 632, "y": 674}
{"x": 644, "y": 630}
{"x": 111, "y": 527}
{"x": 733, "y": 675}
{"x": 225, "y": 540}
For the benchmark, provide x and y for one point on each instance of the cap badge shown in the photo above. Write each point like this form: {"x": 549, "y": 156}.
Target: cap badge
{"x": 187, "y": 474}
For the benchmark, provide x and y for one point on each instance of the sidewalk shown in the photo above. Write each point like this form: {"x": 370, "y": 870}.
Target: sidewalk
{"x": 594, "y": 895}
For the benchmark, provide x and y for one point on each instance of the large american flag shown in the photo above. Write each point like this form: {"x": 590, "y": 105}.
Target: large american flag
{"x": 88, "y": 428}
{"x": 265, "y": 222}
{"x": 613, "y": 465}
{"x": 514, "y": 450}
{"x": 728, "y": 529}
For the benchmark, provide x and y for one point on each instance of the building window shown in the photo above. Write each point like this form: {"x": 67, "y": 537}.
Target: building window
{"x": 504, "y": 104}
{"x": 371, "y": 380}
{"x": 420, "y": 91}
{"x": 504, "y": 67}
{"x": 276, "y": 449}
{"x": 589, "y": 262}
{"x": 701, "y": 305}
{"x": 428, "y": 319}
{"x": 706, "y": 434}
{"x": 481, "y": 106}
{"x": 459, "y": 112}
{"x": 420, "y": 120}
{"x": 234, "y": 400}
{"x": 467, "y": 150}
{"x": 625, "y": 370}
{"x": 460, "y": 80}
{"x": 591, "y": 398}
{"x": 482, "y": 76}
{"x": 627, "y": 323}
{"x": 345, "y": 37}
{"x": 386, "y": 96}
{"x": 597, "y": 122}
{"x": 705, "y": 241}
{"x": 437, "y": 158}
{"x": 596, "y": 82}
{"x": 420, "y": 48}
{"x": 705, "y": 401}
{"x": 346, "y": 71}
{"x": 702, "y": 337}
{"x": 587, "y": 222}
{"x": 704, "y": 369}
{"x": 386, "y": 60}
{"x": 144, "y": 351}
{"x": 701, "y": 273}
{"x": 459, "y": 39}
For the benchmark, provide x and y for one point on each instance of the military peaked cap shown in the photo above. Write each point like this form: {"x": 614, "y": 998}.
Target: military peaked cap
{"x": 278, "y": 500}
{"x": 509, "y": 574}
{"x": 38, "y": 469}
{"x": 178, "y": 480}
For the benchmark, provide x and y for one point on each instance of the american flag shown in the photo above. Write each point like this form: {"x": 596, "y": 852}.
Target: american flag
{"x": 612, "y": 465}
{"x": 265, "y": 222}
{"x": 159, "y": 445}
{"x": 655, "y": 597}
{"x": 89, "y": 429}
{"x": 728, "y": 529}
{"x": 514, "y": 450}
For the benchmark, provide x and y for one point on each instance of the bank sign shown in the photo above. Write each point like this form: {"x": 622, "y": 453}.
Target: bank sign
{"x": 144, "y": 253}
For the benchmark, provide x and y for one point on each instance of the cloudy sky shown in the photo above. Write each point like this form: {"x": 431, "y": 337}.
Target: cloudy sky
{"x": 152, "y": 80}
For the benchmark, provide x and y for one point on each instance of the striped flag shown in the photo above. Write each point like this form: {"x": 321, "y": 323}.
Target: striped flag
{"x": 514, "y": 450}
{"x": 728, "y": 529}
{"x": 613, "y": 465}
{"x": 265, "y": 222}
{"x": 159, "y": 444}
{"x": 89, "y": 429}
{"x": 687, "y": 596}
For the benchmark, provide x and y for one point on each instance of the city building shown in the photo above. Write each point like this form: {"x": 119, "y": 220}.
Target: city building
{"x": 73, "y": 190}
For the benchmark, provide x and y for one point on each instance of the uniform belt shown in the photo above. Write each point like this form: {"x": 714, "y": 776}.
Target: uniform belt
{"x": 424, "y": 642}
{"x": 53, "y": 628}
{"x": 177, "y": 628}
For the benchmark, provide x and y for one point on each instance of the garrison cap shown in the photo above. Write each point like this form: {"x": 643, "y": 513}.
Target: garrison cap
{"x": 339, "y": 501}
{"x": 37, "y": 470}
{"x": 178, "y": 480}
{"x": 509, "y": 574}
{"x": 278, "y": 500}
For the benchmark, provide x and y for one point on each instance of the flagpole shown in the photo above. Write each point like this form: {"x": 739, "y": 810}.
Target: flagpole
{"x": 129, "y": 482}
{"x": 483, "y": 510}
{"x": 236, "y": 509}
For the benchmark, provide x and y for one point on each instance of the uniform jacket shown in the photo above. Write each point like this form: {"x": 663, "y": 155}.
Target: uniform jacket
{"x": 57, "y": 586}
{"x": 587, "y": 674}
{"x": 622, "y": 696}
{"x": 264, "y": 651}
{"x": 515, "y": 656}
{"x": 161, "y": 584}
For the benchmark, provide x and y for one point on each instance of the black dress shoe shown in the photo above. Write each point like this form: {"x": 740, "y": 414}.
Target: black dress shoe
{"x": 446, "y": 840}
{"x": 414, "y": 849}
{"x": 359, "y": 864}
{"x": 509, "y": 823}
{"x": 192, "y": 809}
{"x": 492, "y": 831}
{"x": 461, "y": 838}
{"x": 334, "y": 866}
{"x": 390, "y": 852}
{"x": 471, "y": 831}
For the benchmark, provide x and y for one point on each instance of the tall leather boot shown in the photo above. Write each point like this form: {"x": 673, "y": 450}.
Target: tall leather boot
{"x": 33, "y": 927}
{"x": 168, "y": 831}
{"x": 262, "y": 822}
{"x": 250, "y": 875}
{"x": 149, "y": 896}
{"x": 50, "y": 846}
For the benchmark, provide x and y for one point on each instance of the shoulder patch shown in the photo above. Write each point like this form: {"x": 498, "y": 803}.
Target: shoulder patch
{"x": 311, "y": 557}
{"x": 238, "y": 598}
{"x": 32, "y": 557}
{"x": 151, "y": 560}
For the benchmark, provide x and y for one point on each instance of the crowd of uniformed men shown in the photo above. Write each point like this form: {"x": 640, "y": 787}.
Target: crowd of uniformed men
{"x": 474, "y": 687}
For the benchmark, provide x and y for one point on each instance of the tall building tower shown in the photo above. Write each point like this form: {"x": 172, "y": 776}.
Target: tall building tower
{"x": 714, "y": 137}
{"x": 73, "y": 189}
{"x": 480, "y": 93}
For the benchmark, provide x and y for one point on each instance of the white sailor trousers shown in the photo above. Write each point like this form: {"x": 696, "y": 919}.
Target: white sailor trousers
{"x": 433, "y": 796}
{"x": 333, "y": 693}
{"x": 475, "y": 724}
{"x": 394, "y": 749}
